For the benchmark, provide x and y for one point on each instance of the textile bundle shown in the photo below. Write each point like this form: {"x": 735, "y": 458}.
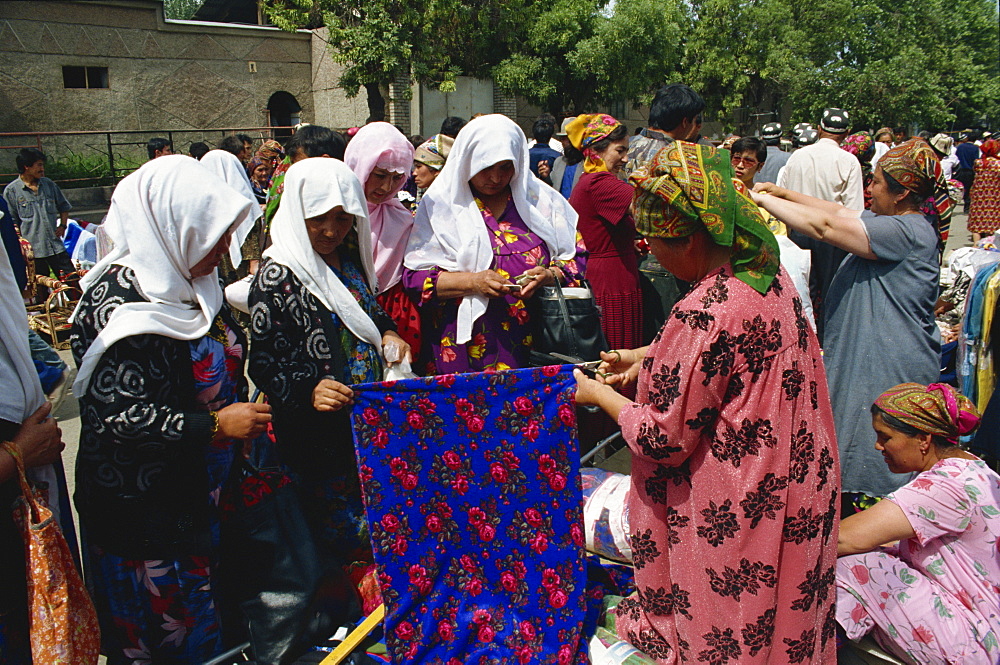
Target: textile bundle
{"x": 473, "y": 501}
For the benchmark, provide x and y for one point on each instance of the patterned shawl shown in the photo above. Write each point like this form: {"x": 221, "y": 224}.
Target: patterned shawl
{"x": 990, "y": 148}
{"x": 270, "y": 151}
{"x": 936, "y": 409}
{"x": 586, "y": 130}
{"x": 687, "y": 186}
{"x": 915, "y": 166}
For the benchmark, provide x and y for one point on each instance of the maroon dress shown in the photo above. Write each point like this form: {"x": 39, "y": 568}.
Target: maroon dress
{"x": 602, "y": 201}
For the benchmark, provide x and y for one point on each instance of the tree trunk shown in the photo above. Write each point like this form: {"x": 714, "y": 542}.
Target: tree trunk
{"x": 376, "y": 102}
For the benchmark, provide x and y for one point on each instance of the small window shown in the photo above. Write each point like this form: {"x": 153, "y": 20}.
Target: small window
{"x": 85, "y": 77}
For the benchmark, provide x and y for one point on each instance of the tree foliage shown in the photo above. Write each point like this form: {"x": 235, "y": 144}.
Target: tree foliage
{"x": 180, "y": 9}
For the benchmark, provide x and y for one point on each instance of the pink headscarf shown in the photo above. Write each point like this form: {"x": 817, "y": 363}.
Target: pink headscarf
{"x": 382, "y": 145}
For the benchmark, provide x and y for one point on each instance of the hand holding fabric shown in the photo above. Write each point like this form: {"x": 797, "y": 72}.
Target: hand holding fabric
{"x": 330, "y": 395}
{"x": 539, "y": 277}
{"x": 243, "y": 420}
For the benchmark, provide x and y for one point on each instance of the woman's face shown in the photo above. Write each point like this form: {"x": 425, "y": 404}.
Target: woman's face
{"x": 423, "y": 175}
{"x": 211, "y": 260}
{"x": 494, "y": 180}
{"x": 883, "y": 201}
{"x": 615, "y": 155}
{"x": 261, "y": 172}
{"x": 675, "y": 257}
{"x": 901, "y": 452}
{"x": 381, "y": 185}
{"x": 327, "y": 231}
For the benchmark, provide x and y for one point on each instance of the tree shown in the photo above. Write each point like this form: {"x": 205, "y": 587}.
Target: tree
{"x": 180, "y": 9}
{"x": 579, "y": 53}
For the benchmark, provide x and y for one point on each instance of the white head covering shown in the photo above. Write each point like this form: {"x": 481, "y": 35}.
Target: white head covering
{"x": 228, "y": 166}
{"x": 448, "y": 229}
{"x": 381, "y": 145}
{"x": 312, "y": 187}
{"x": 164, "y": 219}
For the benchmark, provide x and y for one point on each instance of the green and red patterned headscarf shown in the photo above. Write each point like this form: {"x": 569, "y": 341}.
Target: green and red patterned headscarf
{"x": 936, "y": 409}
{"x": 915, "y": 166}
{"x": 686, "y": 187}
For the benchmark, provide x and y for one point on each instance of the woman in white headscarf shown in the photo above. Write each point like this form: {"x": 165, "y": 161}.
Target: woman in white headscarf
{"x": 160, "y": 387}
{"x": 316, "y": 330}
{"x": 382, "y": 158}
{"x": 486, "y": 237}
{"x": 245, "y": 244}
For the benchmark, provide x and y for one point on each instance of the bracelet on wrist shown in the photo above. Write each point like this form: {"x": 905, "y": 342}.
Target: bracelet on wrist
{"x": 215, "y": 424}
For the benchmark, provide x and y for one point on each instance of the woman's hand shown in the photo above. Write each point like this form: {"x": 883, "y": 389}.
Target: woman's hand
{"x": 539, "y": 277}
{"x": 330, "y": 395}
{"x": 243, "y": 420}
{"x": 39, "y": 439}
{"x": 769, "y": 188}
{"x": 620, "y": 367}
{"x": 490, "y": 283}
{"x": 588, "y": 391}
{"x": 403, "y": 351}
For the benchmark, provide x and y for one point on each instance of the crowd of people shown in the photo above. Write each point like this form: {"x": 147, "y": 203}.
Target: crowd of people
{"x": 784, "y": 410}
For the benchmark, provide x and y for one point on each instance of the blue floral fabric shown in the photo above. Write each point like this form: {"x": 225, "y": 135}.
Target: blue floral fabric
{"x": 474, "y": 506}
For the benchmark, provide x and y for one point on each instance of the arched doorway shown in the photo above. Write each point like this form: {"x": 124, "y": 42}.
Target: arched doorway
{"x": 283, "y": 111}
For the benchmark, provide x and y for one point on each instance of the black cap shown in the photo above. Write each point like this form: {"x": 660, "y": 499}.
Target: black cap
{"x": 835, "y": 121}
{"x": 808, "y": 137}
{"x": 771, "y": 130}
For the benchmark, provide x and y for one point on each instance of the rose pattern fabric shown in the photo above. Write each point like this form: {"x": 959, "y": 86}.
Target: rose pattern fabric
{"x": 473, "y": 499}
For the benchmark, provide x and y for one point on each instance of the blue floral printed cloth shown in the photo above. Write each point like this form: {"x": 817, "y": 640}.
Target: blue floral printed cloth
{"x": 473, "y": 499}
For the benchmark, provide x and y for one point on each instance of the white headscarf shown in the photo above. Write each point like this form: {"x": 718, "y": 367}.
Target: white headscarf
{"x": 381, "y": 145}
{"x": 312, "y": 187}
{"x": 228, "y": 166}
{"x": 164, "y": 219}
{"x": 448, "y": 229}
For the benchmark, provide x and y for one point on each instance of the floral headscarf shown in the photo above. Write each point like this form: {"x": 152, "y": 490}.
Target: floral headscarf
{"x": 586, "y": 130}
{"x": 936, "y": 409}
{"x": 433, "y": 152}
{"x": 915, "y": 166}
{"x": 861, "y": 145}
{"x": 990, "y": 148}
{"x": 270, "y": 151}
{"x": 687, "y": 186}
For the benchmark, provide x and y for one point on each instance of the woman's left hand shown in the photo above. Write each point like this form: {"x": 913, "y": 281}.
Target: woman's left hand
{"x": 539, "y": 277}
{"x": 588, "y": 390}
{"x": 392, "y": 338}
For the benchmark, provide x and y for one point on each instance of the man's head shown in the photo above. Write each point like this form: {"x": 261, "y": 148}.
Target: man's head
{"x": 835, "y": 124}
{"x": 247, "y": 147}
{"x": 315, "y": 141}
{"x": 198, "y": 150}
{"x": 542, "y": 130}
{"x": 748, "y": 156}
{"x": 234, "y": 145}
{"x": 899, "y": 134}
{"x": 451, "y": 126}
{"x": 159, "y": 147}
{"x": 31, "y": 162}
{"x": 562, "y": 135}
{"x": 676, "y": 110}
{"x": 771, "y": 133}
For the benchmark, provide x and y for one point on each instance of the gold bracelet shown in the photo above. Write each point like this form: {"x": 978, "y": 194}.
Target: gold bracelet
{"x": 215, "y": 424}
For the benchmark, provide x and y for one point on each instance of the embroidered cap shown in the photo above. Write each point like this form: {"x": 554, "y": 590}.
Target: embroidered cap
{"x": 835, "y": 121}
{"x": 771, "y": 130}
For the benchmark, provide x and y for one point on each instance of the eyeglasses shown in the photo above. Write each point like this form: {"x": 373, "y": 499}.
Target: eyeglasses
{"x": 746, "y": 161}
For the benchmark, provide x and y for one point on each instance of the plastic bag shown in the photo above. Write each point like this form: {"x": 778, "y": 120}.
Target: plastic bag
{"x": 605, "y": 513}
{"x": 398, "y": 367}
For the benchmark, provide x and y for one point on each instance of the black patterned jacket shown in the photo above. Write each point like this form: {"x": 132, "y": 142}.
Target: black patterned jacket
{"x": 294, "y": 344}
{"x": 141, "y": 480}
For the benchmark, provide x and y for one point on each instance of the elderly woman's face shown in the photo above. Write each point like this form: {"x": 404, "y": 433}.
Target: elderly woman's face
{"x": 493, "y": 180}
{"x": 901, "y": 452}
{"x": 211, "y": 260}
{"x": 381, "y": 185}
{"x": 327, "y": 231}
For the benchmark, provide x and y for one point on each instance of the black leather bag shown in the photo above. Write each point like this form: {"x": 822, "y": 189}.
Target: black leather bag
{"x": 569, "y": 326}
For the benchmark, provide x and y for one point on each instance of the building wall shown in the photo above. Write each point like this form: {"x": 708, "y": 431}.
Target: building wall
{"x": 162, "y": 74}
{"x": 333, "y": 108}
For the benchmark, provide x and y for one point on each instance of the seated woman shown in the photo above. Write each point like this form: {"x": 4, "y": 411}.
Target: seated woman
{"x": 933, "y": 598}
{"x": 161, "y": 387}
{"x": 382, "y": 158}
{"x": 316, "y": 330}
{"x": 486, "y": 222}
{"x": 734, "y": 486}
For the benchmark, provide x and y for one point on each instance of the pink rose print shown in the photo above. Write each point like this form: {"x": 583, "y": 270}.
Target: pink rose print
{"x": 399, "y": 546}
{"x": 576, "y": 533}
{"x": 398, "y": 466}
{"x": 446, "y": 631}
{"x": 390, "y": 523}
{"x": 550, "y": 579}
{"x": 508, "y": 581}
{"x": 524, "y": 406}
{"x": 415, "y": 419}
{"x": 460, "y": 485}
{"x": 533, "y": 517}
{"x": 475, "y": 424}
{"x": 370, "y": 416}
{"x": 557, "y": 482}
{"x": 550, "y": 370}
{"x": 520, "y": 570}
{"x": 434, "y": 524}
{"x": 409, "y": 481}
{"x": 487, "y": 533}
{"x": 524, "y": 655}
{"x": 452, "y": 460}
{"x": 463, "y": 407}
{"x": 546, "y": 464}
{"x": 446, "y": 380}
{"x": 566, "y": 415}
{"x": 527, "y": 630}
{"x": 558, "y": 598}
{"x": 565, "y": 655}
{"x": 477, "y": 517}
{"x": 498, "y": 472}
{"x": 474, "y": 587}
{"x": 468, "y": 564}
{"x": 404, "y": 631}
{"x": 486, "y": 634}
{"x": 539, "y": 543}
{"x": 860, "y": 573}
{"x": 381, "y": 438}
{"x": 530, "y": 430}
{"x": 923, "y": 635}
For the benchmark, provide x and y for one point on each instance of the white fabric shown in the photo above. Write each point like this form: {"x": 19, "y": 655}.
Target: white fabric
{"x": 880, "y": 149}
{"x": 827, "y": 172}
{"x": 554, "y": 143}
{"x": 312, "y": 187}
{"x": 797, "y": 262}
{"x": 164, "y": 219}
{"x": 381, "y": 145}
{"x": 449, "y": 231}
{"x": 949, "y": 165}
{"x": 228, "y": 166}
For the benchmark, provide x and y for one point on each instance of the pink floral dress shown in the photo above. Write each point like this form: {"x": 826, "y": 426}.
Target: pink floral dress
{"x": 936, "y": 597}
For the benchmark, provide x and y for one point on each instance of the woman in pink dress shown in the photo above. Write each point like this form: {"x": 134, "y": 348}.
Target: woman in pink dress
{"x": 735, "y": 482}
{"x": 934, "y": 597}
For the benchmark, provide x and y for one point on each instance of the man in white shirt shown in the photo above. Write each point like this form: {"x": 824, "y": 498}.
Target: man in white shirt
{"x": 827, "y": 172}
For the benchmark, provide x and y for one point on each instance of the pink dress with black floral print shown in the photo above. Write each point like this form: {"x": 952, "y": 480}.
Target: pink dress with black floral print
{"x": 936, "y": 597}
{"x": 735, "y": 483}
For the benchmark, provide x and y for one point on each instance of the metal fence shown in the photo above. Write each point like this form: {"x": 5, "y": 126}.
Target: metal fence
{"x": 88, "y": 159}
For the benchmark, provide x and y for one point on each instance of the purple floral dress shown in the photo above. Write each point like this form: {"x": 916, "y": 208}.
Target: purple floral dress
{"x": 501, "y": 337}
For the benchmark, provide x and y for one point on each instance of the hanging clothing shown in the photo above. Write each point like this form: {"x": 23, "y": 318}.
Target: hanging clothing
{"x": 975, "y": 356}
{"x": 984, "y": 202}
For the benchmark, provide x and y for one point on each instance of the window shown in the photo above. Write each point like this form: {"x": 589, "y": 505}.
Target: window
{"x": 85, "y": 77}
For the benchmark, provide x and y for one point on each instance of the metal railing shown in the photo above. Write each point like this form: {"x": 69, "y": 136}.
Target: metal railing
{"x": 91, "y": 158}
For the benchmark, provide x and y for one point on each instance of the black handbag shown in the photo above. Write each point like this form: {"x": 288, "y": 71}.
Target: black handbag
{"x": 569, "y": 326}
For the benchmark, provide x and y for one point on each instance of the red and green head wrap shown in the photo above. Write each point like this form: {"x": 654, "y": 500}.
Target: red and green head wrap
{"x": 686, "y": 187}
{"x": 935, "y": 409}
{"x": 915, "y": 166}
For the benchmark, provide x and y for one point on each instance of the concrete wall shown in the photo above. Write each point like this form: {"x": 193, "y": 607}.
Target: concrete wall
{"x": 430, "y": 107}
{"x": 162, "y": 74}
{"x": 333, "y": 108}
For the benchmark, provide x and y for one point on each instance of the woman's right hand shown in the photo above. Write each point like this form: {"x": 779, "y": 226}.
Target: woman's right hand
{"x": 491, "y": 284}
{"x": 243, "y": 420}
{"x": 330, "y": 395}
{"x": 39, "y": 438}
{"x": 620, "y": 367}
